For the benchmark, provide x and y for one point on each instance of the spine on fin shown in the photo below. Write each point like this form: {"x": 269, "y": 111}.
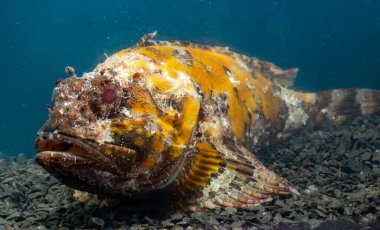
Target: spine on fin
{"x": 341, "y": 105}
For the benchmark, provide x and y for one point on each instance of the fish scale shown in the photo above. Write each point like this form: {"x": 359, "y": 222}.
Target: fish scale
{"x": 183, "y": 119}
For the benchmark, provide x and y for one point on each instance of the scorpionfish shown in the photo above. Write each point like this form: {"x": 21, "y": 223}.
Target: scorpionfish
{"x": 182, "y": 119}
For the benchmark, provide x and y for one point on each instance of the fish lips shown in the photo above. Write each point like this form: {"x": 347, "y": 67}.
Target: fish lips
{"x": 75, "y": 162}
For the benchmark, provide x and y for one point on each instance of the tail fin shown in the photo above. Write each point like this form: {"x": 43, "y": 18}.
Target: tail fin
{"x": 341, "y": 105}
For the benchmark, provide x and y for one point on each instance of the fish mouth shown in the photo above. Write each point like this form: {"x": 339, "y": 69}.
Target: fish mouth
{"x": 81, "y": 164}
{"x": 60, "y": 150}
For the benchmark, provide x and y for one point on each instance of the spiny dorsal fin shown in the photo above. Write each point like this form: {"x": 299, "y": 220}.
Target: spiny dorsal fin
{"x": 285, "y": 78}
{"x": 143, "y": 40}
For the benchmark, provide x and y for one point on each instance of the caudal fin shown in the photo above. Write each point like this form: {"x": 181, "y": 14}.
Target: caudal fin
{"x": 341, "y": 105}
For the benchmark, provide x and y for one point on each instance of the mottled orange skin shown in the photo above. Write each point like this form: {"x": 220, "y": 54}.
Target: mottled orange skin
{"x": 180, "y": 118}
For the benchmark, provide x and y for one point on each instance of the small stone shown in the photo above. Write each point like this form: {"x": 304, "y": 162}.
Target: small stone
{"x": 312, "y": 151}
{"x": 19, "y": 187}
{"x": 266, "y": 217}
{"x": 9, "y": 179}
{"x": 351, "y": 154}
{"x": 338, "y": 224}
{"x": 376, "y": 156}
{"x": 196, "y": 216}
{"x": 98, "y": 221}
{"x": 136, "y": 227}
{"x": 2, "y": 163}
{"x": 210, "y": 220}
{"x": 352, "y": 166}
{"x": 366, "y": 156}
{"x": 34, "y": 195}
{"x": 312, "y": 189}
{"x": 365, "y": 220}
{"x": 167, "y": 223}
{"x": 231, "y": 211}
{"x": 348, "y": 211}
{"x": 336, "y": 204}
{"x": 303, "y": 154}
{"x": 184, "y": 221}
{"x": 176, "y": 216}
{"x": 345, "y": 143}
{"x": 20, "y": 159}
{"x": 277, "y": 217}
{"x": 337, "y": 193}
{"x": 320, "y": 213}
{"x": 177, "y": 227}
{"x": 13, "y": 216}
{"x": 150, "y": 220}
{"x": 376, "y": 172}
{"x": 300, "y": 226}
{"x": 237, "y": 224}
{"x": 2, "y": 221}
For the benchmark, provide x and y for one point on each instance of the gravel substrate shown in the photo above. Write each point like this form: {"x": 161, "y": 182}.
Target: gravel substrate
{"x": 336, "y": 169}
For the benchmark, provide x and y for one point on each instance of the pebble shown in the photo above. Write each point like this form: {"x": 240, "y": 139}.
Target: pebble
{"x": 2, "y": 221}
{"x": 176, "y": 216}
{"x": 2, "y": 164}
{"x": 167, "y": 223}
{"x": 376, "y": 156}
{"x": 237, "y": 224}
{"x": 366, "y": 156}
{"x": 312, "y": 189}
{"x": 277, "y": 217}
{"x": 353, "y": 165}
{"x": 376, "y": 172}
{"x": 177, "y": 227}
{"x": 98, "y": 221}
{"x": 348, "y": 211}
{"x": 337, "y": 193}
{"x": 336, "y": 204}
{"x": 231, "y": 211}
{"x": 20, "y": 159}
{"x": 184, "y": 221}
{"x": 265, "y": 218}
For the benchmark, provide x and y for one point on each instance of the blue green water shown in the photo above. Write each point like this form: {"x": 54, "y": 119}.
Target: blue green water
{"x": 334, "y": 43}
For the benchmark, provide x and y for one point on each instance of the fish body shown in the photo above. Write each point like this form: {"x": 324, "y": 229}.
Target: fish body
{"x": 182, "y": 119}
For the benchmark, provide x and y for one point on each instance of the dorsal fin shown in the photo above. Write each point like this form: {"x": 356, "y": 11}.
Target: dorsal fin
{"x": 284, "y": 78}
{"x": 275, "y": 74}
{"x": 143, "y": 40}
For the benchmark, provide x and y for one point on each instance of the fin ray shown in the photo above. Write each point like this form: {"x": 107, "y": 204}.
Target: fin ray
{"x": 240, "y": 183}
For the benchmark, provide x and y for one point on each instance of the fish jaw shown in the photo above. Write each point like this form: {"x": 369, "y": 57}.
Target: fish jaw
{"x": 78, "y": 163}
{"x": 85, "y": 166}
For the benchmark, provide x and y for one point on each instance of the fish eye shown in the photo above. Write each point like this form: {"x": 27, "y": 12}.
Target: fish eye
{"x": 109, "y": 96}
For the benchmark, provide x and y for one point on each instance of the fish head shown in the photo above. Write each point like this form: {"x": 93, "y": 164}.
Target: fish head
{"x": 113, "y": 134}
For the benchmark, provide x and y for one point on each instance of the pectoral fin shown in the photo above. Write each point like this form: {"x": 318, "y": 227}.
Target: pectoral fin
{"x": 234, "y": 178}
